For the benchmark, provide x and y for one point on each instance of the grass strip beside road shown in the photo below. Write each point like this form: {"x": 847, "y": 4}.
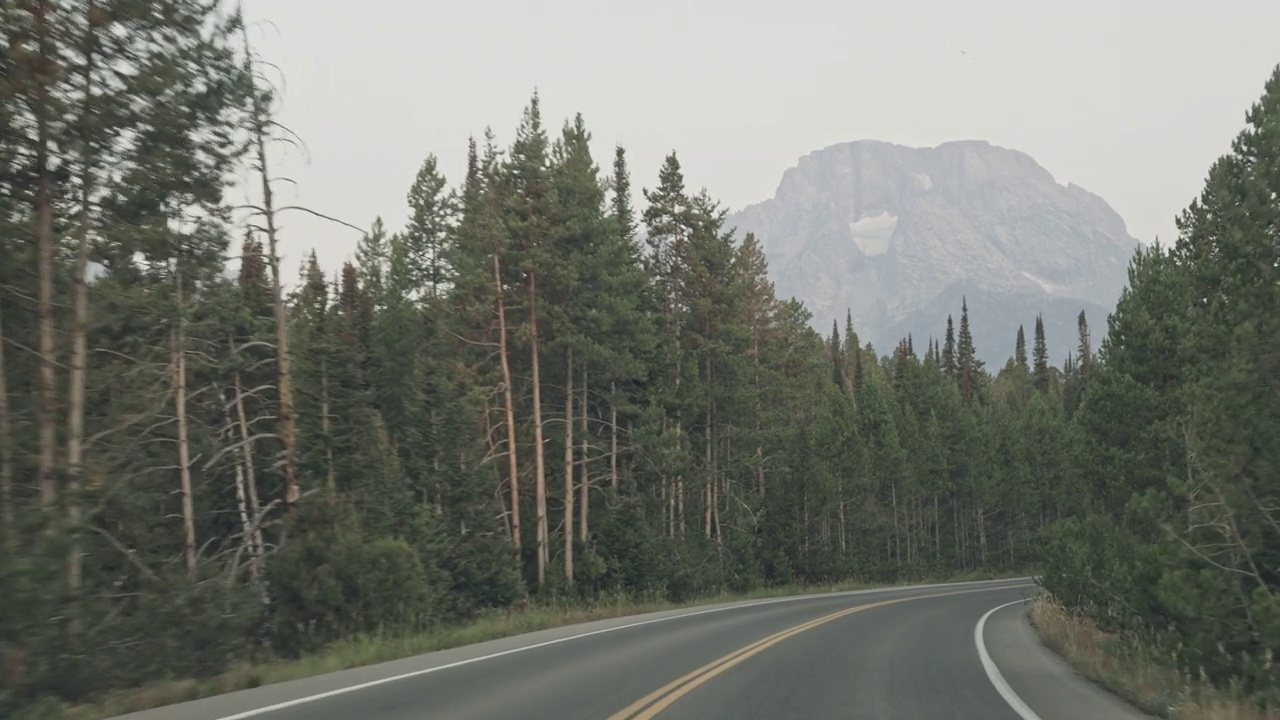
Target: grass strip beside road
{"x": 366, "y": 650}
{"x": 1135, "y": 672}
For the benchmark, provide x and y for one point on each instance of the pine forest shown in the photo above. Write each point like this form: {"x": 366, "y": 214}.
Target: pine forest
{"x": 537, "y": 391}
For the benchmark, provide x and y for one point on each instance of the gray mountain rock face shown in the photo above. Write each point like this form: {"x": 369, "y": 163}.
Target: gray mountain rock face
{"x": 900, "y": 235}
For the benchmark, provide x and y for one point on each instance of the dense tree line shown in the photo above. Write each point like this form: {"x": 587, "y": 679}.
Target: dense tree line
{"x": 1180, "y": 546}
{"x": 533, "y": 389}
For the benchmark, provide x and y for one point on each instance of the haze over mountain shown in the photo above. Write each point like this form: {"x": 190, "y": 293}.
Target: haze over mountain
{"x": 899, "y": 235}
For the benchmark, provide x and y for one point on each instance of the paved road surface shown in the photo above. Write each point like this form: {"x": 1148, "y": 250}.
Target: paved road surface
{"x": 895, "y": 653}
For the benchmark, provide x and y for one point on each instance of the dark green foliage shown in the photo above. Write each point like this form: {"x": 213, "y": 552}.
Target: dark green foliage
{"x": 1179, "y": 416}
{"x": 719, "y": 443}
{"x": 335, "y": 579}
{"x": 1040, "y": 353}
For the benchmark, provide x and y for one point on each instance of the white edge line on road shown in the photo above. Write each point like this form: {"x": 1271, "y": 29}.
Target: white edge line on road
{"x": 993, "y": 672}
{"x": 382, "y": 681}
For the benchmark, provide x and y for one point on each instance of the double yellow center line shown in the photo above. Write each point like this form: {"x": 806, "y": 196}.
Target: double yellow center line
{"x": 655, "y": 702}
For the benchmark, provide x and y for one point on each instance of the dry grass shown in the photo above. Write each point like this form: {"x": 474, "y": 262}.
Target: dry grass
{"x": 370, "y": 649}
{"x": 1136, "y": 673}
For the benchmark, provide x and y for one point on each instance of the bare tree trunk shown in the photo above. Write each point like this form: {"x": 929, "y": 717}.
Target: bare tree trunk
{"x": 707, "y": 455}
{"x": 754, "y": 354}
{"x": 722, "y": 503}
{"x": 6, "y": 452}
{"x": 184, "y": 449}
{"x": 251, "y": 480}
{"x": 326, "y": 427}
{"x": 284, "y": 377}
{"x": 844, "y": 548}
{"x": 613, "y": 437}
{"x": 710, "y": 494}
{"x": 669, "y": 497}
{"x": 897, "y": 537}
{"x": 706, "y": 510}
{"x": 513, "y": 475}
{"x": 242, "y": 495}
{"x": 493, "y": 453}
{"x": 668, "y": 489}
{"x": 1008, "y": 538}
{"x": 79, "y": 321}
{"x": 805, "y": 522}
{"x": 45, "y": 378}
{"x": 568, "y": 469}
{"x": 760, "y": 469}
{"x": 955, "y": 527}
{"x": 539, "y": 451}
{"x": 982, "y": 534}
{"x": 680, "y": 521}
{"x": 584, "y": 477}
{"x": 937, "y": 529}
{"x": 679, "y": 481}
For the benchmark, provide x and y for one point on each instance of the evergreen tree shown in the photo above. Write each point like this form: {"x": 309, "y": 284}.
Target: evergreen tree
{"x": 966, "y": 361}
{"x": 950, "y": 363}
{"x": 515, "y": 354}
{"x": 1040, "y": 353}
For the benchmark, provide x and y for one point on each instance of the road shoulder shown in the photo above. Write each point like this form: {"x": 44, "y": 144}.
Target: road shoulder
{"x": 1044, "y": 681}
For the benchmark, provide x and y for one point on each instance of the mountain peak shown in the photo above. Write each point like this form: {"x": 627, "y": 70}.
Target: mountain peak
{"x": 898, "y": 234}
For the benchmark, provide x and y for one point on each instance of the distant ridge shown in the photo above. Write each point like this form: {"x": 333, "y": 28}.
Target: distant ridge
{"x": 898, "y": 235}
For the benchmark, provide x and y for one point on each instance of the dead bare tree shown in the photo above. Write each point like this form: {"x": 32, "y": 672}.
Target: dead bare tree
{"x": 43, "y": 76}
{"x": 568, "y": 468}
{"x": 6, "y": 451}
{"x": 259, "y": 124}
{"x": 513, "y": 474}
{"x": 80, "y": 307}
{"x": 179, "y": 369}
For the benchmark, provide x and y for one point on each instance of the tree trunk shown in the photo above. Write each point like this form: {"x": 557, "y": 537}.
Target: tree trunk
{"x": 982, "y": 534}
{"x": 45, "y": 378}
{"x": 710, "y": 495}
{"x": 242, "y": 494}
{"x": 897, "y": 534}
{"x": 568, "y": 469}
{"x": 79, "y": 320}
{"x": 668, "y": 488}
{"x": 680, "y": 517}
{"x": 754, "y": 354}
{"x": 513, "y": 473}
{"x": 844, "y": 548}
{"x": 760, "y": 469}
{"x": 708, "y": 455}
{"x": 613, "y": 437}
{"x": 937, "y": 529}
{"x": 284, "y": 377}
{"x": 539, "y": 451}
{"x": 584, "y": 476}
{"x": 502, "y": 483}
{"x": 955, "y": 527}
{"x": 184, "y": 449}
{"x": 804, "y": 523}
{"x": 251, "y": 480}
{"x": 6, "y": 452}
{"x": 326, "y": 427}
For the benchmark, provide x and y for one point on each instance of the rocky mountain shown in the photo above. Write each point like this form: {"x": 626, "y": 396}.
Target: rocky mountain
{"x": 899, "y": 235}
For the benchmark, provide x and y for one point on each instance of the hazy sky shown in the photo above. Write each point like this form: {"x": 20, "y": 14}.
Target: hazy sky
{"x": 1132, "y": 99}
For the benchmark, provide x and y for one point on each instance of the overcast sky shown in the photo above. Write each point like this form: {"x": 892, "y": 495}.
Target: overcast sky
{"x": 1131, "y": 99}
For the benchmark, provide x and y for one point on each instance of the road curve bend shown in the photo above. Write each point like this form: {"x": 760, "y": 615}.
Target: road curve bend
{"x": 958, "y": 650}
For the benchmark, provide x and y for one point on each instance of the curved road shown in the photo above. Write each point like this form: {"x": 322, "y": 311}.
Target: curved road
{"x": 961, "y": 650}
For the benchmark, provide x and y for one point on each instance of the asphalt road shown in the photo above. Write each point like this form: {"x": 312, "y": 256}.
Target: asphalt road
{"x": 895, "y": 653}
